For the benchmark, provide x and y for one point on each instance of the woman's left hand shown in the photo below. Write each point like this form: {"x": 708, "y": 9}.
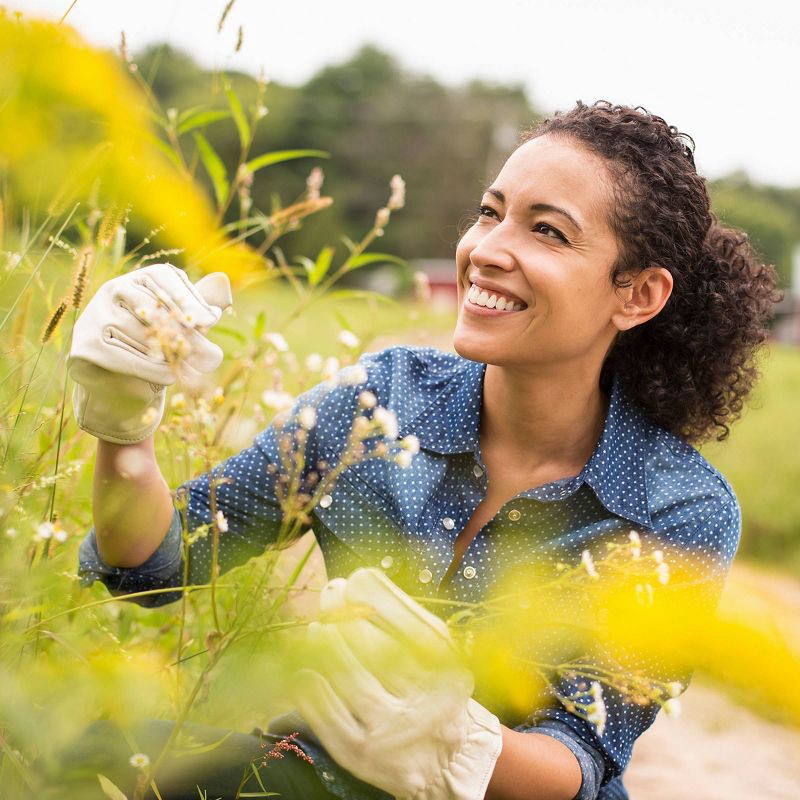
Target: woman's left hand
{"x": 390, "y": 699}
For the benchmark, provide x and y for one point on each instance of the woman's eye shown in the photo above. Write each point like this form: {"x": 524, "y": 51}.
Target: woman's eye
{"x": 551, "y": 229}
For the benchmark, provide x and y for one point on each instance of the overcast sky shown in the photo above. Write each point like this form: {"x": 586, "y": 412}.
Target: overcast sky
{"x": 724, "y": 71}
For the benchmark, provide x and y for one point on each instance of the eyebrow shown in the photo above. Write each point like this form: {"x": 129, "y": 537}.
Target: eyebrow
{"x": 539, "y": 207}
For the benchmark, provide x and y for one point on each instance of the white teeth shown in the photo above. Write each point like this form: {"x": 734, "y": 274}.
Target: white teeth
{"x": 481, "y": 297}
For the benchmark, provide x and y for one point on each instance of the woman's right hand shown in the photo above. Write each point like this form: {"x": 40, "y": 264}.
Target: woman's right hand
{"x": 132, "y": 339}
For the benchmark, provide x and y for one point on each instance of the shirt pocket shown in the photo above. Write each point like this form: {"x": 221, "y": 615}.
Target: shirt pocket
{"x": 362, "y": 518}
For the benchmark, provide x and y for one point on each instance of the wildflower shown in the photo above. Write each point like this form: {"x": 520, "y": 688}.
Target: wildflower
{"x": 330, "y": 368}
{"x": 286, "y": 744}
{"x": 422, "y": 286}
{"x": 13, "y": 261}
{"x": 11, "y": 533}
{"x": 662, "y": 572}
{"x": 411, "y": 443}
{"x": 53, "y": 322}
{"x": 239, "y": 39}
{"x": 349, "y": 339}
{"x": 44, "y": 531}
{"x": 596, "y": 710}
{"x": 403, "y": 458}
{"x": 672, "y": 707}
{"x": 277, "y": 400}
{"x": 261, "y": 111}
{"x": 636, "y": 544}
{"x": 314, "y": 183}
{"x": 387, "y": 421}
{"x": 60, "y": 535}
{"x": 178, "y": 401}
{"x": 644, "y": 594}
{"x": 674, "y": 688}
{"x": 367, "y": 399}
{"x": 353, "y": 375}
{"x": 382, "y": 219}
{"x": 79, "y": 283}
{"x": 218, "y": 398}
{"x": 658, "y": 556}
{"x": 314, "y": 362}
{"x": 277, "y": 341}
{"x": 588, "y": 564}
{"x": 398, "y": 198}
{"x": 307, "y": 417}
{"x": 222, "y": 523}
{"x": 149, "y": 416}
{"x": 139, "y": 760}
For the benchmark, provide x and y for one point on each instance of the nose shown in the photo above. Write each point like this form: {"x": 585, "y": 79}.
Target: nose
{"x": 494, "y": 249}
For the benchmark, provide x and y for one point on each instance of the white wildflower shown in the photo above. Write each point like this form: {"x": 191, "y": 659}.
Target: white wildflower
{"x": 222, "y": 523}
{"x": 658, "y": 556}
{"x": 218, "y": 398}
{"x": 382, "y": 218}
{"x": 11, "y": 533}
{"x": 314, "y": 183}
{"x": 596, "y": 711}
{"x": 404, "y": 458}
{"x": 367, "y": 399}
{"x": 60, "y": 535}
{"x": 45, "y": 531}
{"x": 178, "y": 401}
{"x": 277, "y": 341}
{"x": 387, "y": 421}
{"x": 672, "y": 707}
{"x": 307, "y": 417}
{"x": 139, "y": 760}
{"x": 662, "y": 571}
{"x": 276, "y": 400}
{"x": 353, "y": 375}
{"x": 588, "y": 564}
{"x": 314, "y": 362}
{"x": 349, "y": 339}
{"x": 398, "y": 198}
{"x": 674, "y": 688}
{"x": 411, "y": 443}
{"x": 149, "y": 416}
{"x": 331, "y": 368}
{"x": 636, "y": 544}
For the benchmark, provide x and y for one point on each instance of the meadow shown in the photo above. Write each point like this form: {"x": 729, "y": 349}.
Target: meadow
{"x": 224, "y": 652}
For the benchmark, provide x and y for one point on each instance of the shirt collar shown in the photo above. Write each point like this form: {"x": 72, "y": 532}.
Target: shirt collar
{"x": 450, "y": 424}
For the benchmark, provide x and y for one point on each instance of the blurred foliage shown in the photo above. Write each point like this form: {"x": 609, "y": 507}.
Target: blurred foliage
{"x": 375, "y": 119}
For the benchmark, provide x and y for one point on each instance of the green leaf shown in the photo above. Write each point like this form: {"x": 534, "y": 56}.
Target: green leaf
{"x": 200, "y": 119}
{"x": 214, "y": 167}
{"x": 321, "y": 265}
{"x": 110, "y": 790}
{"x": 359, "y": 294}
{"x": 261, "y": 323}
{"x": 167, "y": 151}
{"x": 238, "y": 115}
{"x": 240, "y": 337}
{"x": 374, "y": 258}
{"x": 276, "y": 157}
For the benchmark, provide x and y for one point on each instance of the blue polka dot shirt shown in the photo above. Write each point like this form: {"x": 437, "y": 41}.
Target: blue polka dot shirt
{"x": 405, "y": 520}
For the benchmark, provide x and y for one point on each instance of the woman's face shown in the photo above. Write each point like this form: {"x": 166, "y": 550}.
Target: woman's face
{"x": 554, "y": 266}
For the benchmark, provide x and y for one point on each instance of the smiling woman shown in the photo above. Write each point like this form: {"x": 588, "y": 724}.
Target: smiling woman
{"x": 605, "y": 322}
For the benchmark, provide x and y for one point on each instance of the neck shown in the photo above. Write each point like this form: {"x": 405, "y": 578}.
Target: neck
{"x": 541, "y": 417}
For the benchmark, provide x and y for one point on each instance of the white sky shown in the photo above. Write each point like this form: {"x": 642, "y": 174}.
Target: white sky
{"x": 707, "y": 66}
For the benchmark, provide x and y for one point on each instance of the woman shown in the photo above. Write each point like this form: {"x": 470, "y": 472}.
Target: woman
{"x": 605, "y": 321}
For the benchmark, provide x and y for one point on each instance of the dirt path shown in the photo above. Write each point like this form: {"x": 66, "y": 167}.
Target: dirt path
{"x": 716, "y": 749}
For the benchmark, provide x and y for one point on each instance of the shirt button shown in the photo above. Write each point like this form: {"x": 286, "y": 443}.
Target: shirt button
{"x": 449, "y": 523}
{"x": 425, "y": 576}
{"x": 469, "y": 572}
{"x": 514, "y": 515}
{"x": 325, "y": 501}
{"x": 386, "y": 562}
{"x": 477, "y": 471}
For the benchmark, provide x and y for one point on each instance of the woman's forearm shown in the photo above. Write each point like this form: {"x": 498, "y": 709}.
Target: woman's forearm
{"x": 131, "y": 503}
{"x": 534, "y": 766}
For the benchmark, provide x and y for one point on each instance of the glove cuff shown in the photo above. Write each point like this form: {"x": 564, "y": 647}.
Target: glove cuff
{"x": 123, "y": 420}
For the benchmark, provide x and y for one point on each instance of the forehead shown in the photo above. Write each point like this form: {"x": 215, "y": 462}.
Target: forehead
{"x": 561, "y": 172}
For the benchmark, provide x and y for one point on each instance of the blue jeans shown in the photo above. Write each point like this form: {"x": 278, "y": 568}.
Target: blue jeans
{"x": 222, "y": 772}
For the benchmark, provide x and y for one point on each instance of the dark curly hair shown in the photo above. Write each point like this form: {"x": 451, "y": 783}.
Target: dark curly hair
{"x": 693, "y": 364}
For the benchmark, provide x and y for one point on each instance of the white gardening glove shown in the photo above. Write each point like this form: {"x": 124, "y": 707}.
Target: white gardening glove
{"x": 117, "y": 360}
{"x": 391, "y": 700}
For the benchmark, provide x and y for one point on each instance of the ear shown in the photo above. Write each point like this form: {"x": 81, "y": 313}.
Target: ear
{"x": 643, "y": 299}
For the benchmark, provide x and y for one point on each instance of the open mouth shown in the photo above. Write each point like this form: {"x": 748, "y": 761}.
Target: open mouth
{"x": 486, "y": 298}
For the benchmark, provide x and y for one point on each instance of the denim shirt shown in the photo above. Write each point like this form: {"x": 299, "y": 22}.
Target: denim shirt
{"x": 406, "y": 520}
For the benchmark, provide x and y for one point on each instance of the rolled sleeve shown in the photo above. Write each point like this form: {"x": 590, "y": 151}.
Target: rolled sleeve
{"x": 164, "y": 568}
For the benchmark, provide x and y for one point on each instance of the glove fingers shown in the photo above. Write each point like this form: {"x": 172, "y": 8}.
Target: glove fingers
{"x": 215, "y": 289}
{"x": 357, "y": 687}
{"x": 173, "y": 290}
{"x": 399, "y": 613}
{"x": 326, "y": 714}
{"x": 333, "y": 595}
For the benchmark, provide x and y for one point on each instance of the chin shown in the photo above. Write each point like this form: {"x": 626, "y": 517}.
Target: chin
{"x": 473, "y": 346}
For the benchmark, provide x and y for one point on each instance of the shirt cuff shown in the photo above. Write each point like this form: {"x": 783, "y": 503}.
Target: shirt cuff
{"x": 159, "y": 571}
{"x": 589, "y": 759}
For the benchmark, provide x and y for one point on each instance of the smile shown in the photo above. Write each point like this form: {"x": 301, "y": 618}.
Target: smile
{"x": 478, "y": 296}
